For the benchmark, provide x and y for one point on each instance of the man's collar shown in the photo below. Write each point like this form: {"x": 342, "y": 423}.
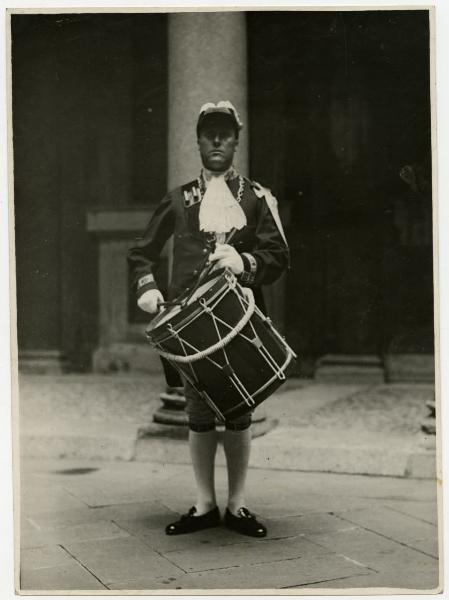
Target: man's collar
{"x": 230, "y": 173}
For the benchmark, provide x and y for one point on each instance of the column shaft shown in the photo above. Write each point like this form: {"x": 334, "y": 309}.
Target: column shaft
{"x": 207, "y": 63}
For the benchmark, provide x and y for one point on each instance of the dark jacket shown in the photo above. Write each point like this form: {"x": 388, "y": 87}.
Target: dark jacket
{"x": 265, "y": 253}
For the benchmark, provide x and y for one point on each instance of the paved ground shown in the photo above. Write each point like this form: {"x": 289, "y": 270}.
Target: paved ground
{"x": 341, "y": 428}
{"x": 96, "y": 493}
{"x": 98, "y": 525}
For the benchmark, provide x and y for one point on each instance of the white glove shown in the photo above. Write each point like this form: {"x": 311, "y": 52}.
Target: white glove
{"x": 227, "y": 256}
{"x": 149, "y": 301}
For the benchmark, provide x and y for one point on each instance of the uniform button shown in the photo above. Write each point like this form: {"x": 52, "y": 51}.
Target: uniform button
{"x": 204, "y": 250}
{"x": 195, "y": 272}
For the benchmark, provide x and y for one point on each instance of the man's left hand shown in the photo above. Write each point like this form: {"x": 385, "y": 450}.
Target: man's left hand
{"x": 226, "y": 256}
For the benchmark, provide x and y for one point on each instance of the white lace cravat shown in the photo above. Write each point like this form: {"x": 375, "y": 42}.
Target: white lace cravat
{"x": 219, "y": 210}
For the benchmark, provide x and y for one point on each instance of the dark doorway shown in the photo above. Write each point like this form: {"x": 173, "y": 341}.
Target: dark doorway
{"x": 340, "y": 129}
{"x": 89, "y": 95}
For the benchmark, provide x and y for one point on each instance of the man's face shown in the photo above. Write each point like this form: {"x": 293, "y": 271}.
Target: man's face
{"x": 217, "y": 143}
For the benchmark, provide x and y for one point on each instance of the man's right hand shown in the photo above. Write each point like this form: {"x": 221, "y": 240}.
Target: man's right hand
{"x": 149, "y": 301}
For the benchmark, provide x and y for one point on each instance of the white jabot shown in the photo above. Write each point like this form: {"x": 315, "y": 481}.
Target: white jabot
{"x": 219, "y": 210}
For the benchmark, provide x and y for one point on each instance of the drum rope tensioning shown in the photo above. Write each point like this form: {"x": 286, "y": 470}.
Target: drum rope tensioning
{"x": 221, "y": 342}
{"x": 200, "y": 354}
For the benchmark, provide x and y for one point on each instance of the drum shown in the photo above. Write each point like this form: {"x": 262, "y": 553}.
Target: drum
{"x": 223, "y": 345}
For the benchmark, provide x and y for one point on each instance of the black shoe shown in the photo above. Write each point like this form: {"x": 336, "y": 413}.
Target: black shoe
{"x": 189, "y": 523}
{"x": 245, "y": 523}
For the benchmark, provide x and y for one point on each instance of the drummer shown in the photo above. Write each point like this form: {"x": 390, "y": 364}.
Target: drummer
{"x": 201, "y": 215}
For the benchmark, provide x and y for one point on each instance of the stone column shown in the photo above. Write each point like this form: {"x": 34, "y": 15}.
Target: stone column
{"x": 206, "y": 63}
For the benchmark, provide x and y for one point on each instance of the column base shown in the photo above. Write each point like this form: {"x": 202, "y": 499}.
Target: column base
{"x": 345, "y": 368}
{"x": 42, "y": 362}
{"x": 172, "y": 410}
{"x": 410, "y": 368}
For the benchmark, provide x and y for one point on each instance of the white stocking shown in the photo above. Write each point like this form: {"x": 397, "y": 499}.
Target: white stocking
{"x": 237, "y": 446}
{"x": 203, "y": 446}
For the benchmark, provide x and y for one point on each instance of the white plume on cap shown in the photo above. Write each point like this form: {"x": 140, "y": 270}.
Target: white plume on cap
{"x": 221, "y": 107}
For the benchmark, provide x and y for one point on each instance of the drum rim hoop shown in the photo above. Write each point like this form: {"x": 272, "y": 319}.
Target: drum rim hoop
{"x": 194, "y": 310}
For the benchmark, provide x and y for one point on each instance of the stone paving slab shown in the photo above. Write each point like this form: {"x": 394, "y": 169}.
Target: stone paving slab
{"x": 368, "y": 547}
{"x": 302, "y": 510}
{"x": 391, "y": 583}
{"x": 243, "y": 554}
{"x": 108, "y": 493}
{"x": 423, "y": 464}
{"x": 57, "y": 518}
{"x": 391, "y": 524}
{"x": 425, "y": 511}
{"x": 62, "y": 577}
{"x": 125, "y": 474}
{"x": 41, "y": 558}
{"x": 428, "y": 546}
{"x": 99, "y": 530}
{"x": 155, "y": 537}
{"x": 37, "y": 468}
{"x": 37, "y": 498}
{"x": 380, "y": 554}
{"x": 225, "y": 579}
{"x": 27, "y": 526}
{"x": 274, "y": 575}
{"x": 162, "y": 450}
{"x": 304, "y": 503}
{"x": 119, "y": 559}
{"x": 151, "y": 530}
{"x": 150, "y": 515}
{"x": 305, "y": 524}
{"x": 272, "y": 496}
{"x": 373, "y": 488}
{"x": 312, "y": 449}
{"x": 74, "y": 443}
{"x": 155, "y": 583}
{"x": 266, "y": 489}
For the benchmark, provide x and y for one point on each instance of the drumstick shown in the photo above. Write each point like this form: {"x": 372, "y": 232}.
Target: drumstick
{"x": 205, "y": 270}
{"x": 176, "y": 302}
{"x": 231, "y": 235}
{"x": 169, "y": 303}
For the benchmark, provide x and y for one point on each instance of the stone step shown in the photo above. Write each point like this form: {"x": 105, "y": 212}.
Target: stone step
{"x": 349, "y": 374}
{"x": 410, "y": 368}
{"x": 315, "y": 450}
{"x": 349, "y": 368}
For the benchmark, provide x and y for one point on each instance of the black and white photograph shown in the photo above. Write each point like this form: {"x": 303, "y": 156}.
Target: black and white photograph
{"x": 224, "y": 302}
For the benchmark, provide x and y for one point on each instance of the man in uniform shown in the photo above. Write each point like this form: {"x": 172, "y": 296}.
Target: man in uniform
{"x": 200, "y": 215}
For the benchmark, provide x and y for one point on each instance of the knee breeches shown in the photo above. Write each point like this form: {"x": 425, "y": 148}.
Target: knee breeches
{"x": 202, "y": 417}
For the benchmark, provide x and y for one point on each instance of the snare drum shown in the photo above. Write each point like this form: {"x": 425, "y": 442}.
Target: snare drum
{"x": 223, "y": 345}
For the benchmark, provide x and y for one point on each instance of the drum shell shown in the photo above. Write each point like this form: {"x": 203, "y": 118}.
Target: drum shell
{"x": 255, "y": 361}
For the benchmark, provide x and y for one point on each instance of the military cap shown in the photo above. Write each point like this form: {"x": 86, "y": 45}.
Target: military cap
{"x": 223, "y": 109}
